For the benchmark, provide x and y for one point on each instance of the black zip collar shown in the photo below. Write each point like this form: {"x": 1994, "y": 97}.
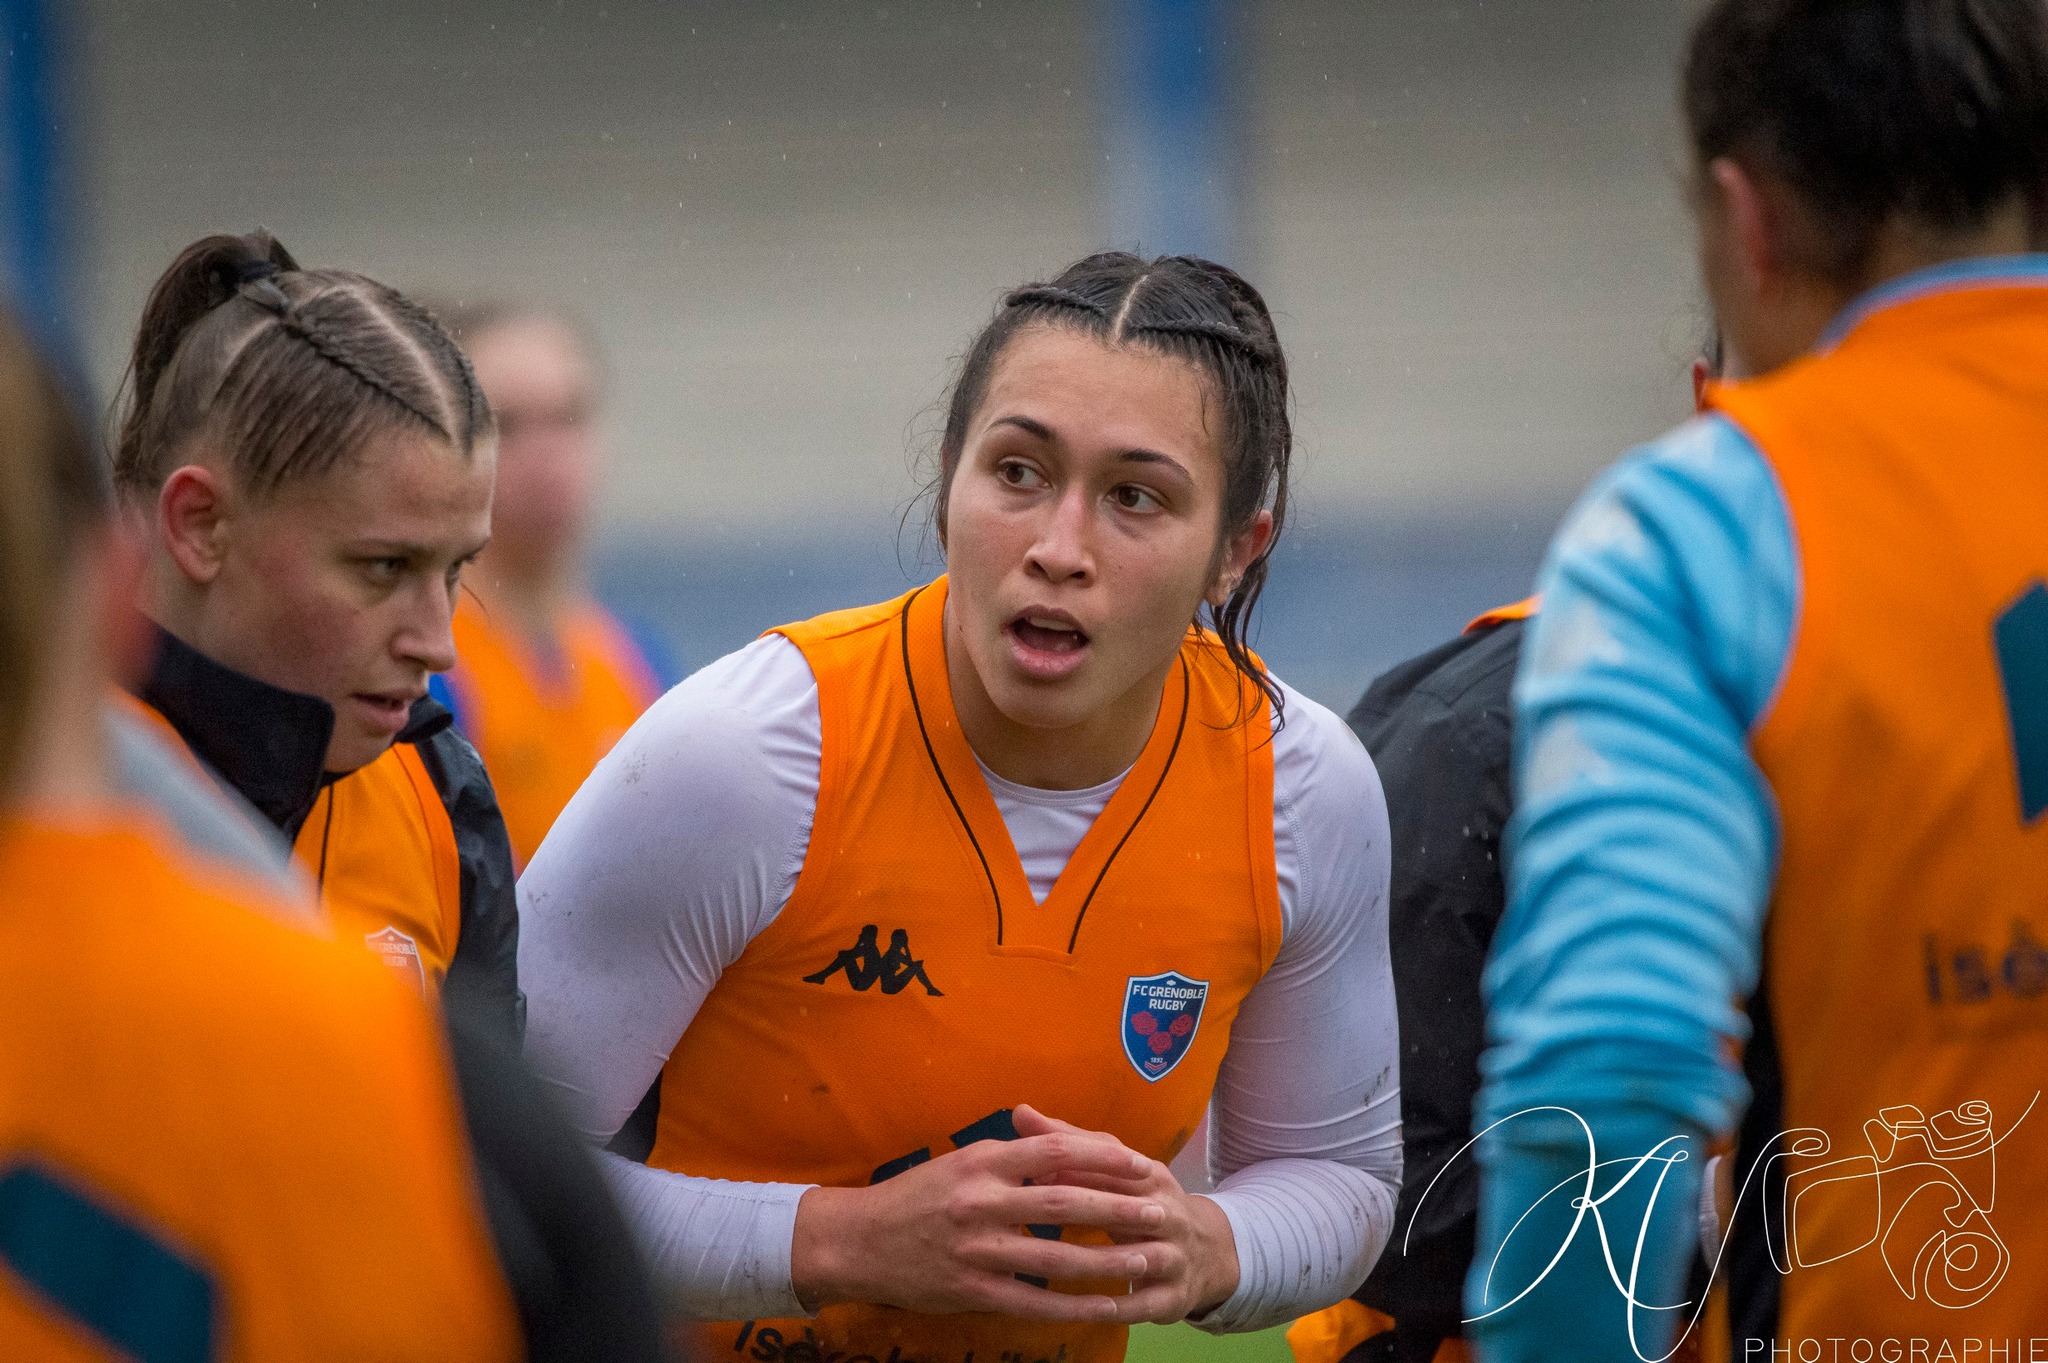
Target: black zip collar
{"x": 270, "y": 744}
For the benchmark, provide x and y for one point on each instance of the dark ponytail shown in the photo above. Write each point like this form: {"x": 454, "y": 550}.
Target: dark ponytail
{"x": 1191, "y": 309}
{"x": 1935, "y": 111}
{"x": 286, "y": 371}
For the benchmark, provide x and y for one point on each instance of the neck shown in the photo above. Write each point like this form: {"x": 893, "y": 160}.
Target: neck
{"x": 1811, "y": 305}
{"x": 1100, "y": 748}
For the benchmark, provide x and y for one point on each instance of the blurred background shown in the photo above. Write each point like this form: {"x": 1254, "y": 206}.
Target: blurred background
{"x": 785, "y": 218}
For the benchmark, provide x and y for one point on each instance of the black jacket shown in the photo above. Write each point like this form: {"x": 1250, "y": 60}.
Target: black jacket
{"x": 270, "y": 745}
{"x": 1439, "y": 728}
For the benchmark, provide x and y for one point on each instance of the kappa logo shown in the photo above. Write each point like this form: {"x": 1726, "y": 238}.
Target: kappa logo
{"x": 401, "y": 953}
{"x": 1161, "y": 1016}
{"x": 867, "y": 965}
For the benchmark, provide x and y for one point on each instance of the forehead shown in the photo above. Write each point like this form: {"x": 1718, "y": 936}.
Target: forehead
{"x": 401, "y": 486}
{"x": 1095, "y": 394}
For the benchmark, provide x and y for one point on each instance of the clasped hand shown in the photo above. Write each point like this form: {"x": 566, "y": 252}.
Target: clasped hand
{"x": 948, "y": 1235}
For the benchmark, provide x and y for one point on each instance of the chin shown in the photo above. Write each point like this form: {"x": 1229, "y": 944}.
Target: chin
{"x": 347, "y": 755}
{"x": 1045, "y": 705}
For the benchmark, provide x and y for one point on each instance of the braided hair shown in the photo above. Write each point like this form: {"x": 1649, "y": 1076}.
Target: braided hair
{"x": 287, "y": 371}
{"x": 1190, "y": 309}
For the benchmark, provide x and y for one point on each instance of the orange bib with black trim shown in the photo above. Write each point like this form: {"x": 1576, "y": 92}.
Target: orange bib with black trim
{"x": 381, "y": 847}
{"x": 1906, "y": 950}
{"x": 912, "y": 992}
{"x": 541, "y": 729}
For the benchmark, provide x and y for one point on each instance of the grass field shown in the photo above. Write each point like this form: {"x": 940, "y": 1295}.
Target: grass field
{"x": 1173, "y": 1343}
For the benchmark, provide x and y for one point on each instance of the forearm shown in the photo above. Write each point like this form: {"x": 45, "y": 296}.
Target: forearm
{"x": 1306, "y": 1234}
{"x": 717, "y": 1250}
{"x": 1641, "y": 1230}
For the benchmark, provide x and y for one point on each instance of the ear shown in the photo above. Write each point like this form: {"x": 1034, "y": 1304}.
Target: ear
{"x": 1240, "y": 553}
{"x": 193, "y": 512}
{"x": 1702, "y": 375}
{"x": 1752, "y": 224}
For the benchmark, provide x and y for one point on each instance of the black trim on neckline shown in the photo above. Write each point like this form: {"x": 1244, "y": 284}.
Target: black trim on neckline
{"x": 268, "y": 743}
{"x": 917, "y": 709}
{"x": 1186, "y": 704}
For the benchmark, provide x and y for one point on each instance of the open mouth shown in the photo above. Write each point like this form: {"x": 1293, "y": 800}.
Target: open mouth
{"x": 1048, "y": 643}
{"x": 389, "y": 707}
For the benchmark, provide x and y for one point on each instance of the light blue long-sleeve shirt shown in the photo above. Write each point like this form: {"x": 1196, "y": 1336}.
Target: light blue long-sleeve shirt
{"x": 1640, "y": 862}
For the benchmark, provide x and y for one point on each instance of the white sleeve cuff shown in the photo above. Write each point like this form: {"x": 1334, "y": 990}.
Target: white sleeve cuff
{"x": 717, "y": 1250}
{"x": 1307, "y": 1232}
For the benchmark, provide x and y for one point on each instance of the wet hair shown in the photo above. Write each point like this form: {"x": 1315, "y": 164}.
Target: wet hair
{"x": 1188, "y": 309}
{"x": 53, "y": 489}
{"x": 288, "y": 372}
{"x": 1933, "y": 111}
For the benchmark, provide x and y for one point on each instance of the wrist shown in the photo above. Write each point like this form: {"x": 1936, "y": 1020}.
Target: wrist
{"x": 819, "y": 1245}
{"x": 1217, "y": 1271}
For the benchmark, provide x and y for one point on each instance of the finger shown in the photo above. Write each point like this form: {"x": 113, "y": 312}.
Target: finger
{"x": 1152, "y": 1184}
{"x": 1030, "y": 1121}
{"x": 1154, "y": 1303}
{"x": 1036, "y": 1157}
{"x": 1065, "y": 1205}
{"x": 1005, "y": 1295}
{"x": 1164, "y": 1261}
{"x": 1057, "y": 1259}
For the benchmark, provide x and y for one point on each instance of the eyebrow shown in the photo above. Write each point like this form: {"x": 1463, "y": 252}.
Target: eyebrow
{"x": 402, "y": 549}
{"x": 1153, "y": 458}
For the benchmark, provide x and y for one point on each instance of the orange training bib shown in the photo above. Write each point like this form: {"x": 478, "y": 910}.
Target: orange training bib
{"x": 912, "y": 992}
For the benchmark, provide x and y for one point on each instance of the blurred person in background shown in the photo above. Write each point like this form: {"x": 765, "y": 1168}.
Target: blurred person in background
{"x": 222, "y": 1134}
{"x": 312, "y": 457}
{"x": 546, "y": 680}
{"x": 939, "y": 921}
{"x": 1440, "y": 731}
{"x": 1781, "y": 740}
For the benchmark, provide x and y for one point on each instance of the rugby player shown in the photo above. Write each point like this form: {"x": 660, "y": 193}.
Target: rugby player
{"x": 311, "y": 456}
{"x": 1782, "y": 740}
{"x": 938, "y": 921}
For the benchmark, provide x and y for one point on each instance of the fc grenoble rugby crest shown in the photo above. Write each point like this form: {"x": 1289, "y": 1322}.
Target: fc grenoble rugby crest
{"x": 400, "y": 952}
{"x": 1161, "y": 1016}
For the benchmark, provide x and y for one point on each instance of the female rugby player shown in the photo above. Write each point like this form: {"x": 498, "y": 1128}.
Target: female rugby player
{"x": 221, "y": 1135}
{"x": 939, "y": 921}
{"x": 311, "y": 453}
{"x": 1782, "y": 739}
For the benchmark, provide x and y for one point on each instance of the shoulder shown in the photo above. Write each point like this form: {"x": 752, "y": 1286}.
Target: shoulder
{"x": 741, "y": 733}
{"x": 1701, "y": 497}
{"x": 1686, "y": 546}
{"x": 1465, "y": 681}
{"x": 1318, "y": 760}
{"x": 207, "y": 818}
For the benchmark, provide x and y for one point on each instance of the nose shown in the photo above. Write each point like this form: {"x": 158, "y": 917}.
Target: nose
{"x": 426, "y": 632}
{"x": 1064, "y": 549}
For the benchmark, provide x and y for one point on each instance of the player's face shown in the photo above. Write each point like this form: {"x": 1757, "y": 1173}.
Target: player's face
{"x": 341, "y": 586}
{"x": 543, "y": 394}
{"x": 1083, "y": 527}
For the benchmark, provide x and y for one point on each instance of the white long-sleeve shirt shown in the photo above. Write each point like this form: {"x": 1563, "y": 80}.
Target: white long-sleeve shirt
{"x": 686, "y": 843}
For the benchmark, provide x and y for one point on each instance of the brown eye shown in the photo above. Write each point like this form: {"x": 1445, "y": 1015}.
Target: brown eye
{"x": 1017, "y": 473}
{"x": 1133, "y": 498}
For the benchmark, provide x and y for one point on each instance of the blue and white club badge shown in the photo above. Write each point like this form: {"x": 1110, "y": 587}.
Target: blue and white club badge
{"x": 1161, "y": 1015}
